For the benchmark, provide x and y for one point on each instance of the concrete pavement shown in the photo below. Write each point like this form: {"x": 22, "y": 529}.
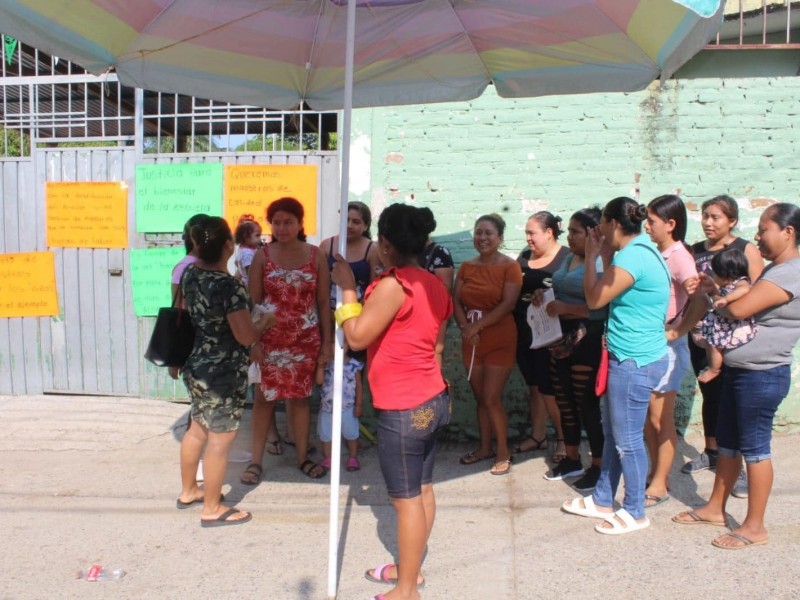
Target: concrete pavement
{"x": 88, "y": 480}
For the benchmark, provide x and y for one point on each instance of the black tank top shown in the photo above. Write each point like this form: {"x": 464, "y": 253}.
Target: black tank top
{"x": 702, "y": 257}
{"x": 360, "y": 272}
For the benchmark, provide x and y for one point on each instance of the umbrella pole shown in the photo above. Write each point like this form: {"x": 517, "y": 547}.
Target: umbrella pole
{"x": 336, "y": 433}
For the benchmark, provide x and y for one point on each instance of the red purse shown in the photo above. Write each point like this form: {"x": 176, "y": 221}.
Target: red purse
{"x": 601, "y": 383}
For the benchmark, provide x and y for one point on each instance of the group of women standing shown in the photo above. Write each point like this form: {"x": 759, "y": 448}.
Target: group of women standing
{"x": 635, "y": 297}
{"x": 625, "y": 302}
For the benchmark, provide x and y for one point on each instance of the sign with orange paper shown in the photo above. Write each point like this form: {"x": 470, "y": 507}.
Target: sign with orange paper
{"x": 250, "y": 189}
{"x": 28, "y": 285}
{"x": 87, "y": 214}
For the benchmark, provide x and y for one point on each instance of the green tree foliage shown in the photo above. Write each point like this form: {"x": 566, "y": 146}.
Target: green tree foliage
{"x": 166, "y": 144}
{"x": 14, "y": 144}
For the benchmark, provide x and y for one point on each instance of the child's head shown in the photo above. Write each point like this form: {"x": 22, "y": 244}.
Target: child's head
{"x": 248, "y": 233}
{"x": 729, "y": 264}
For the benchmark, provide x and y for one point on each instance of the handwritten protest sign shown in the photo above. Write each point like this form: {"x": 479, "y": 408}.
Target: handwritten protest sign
{"x": 28, "y": 285}
{"x": 151, "y": 271}
{"x": 249, "y": 189}
{"x": 167, "y": 195}
{"x": 87, "y": 214}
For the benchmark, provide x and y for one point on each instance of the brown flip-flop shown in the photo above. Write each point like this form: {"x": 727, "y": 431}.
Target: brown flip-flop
{"x": 695, "y": 519}
{"x": 746, "y": 541}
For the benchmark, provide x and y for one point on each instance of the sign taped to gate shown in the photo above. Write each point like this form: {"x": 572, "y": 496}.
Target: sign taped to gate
{"x": 151, "y": 273}
{"x": 87, "y": 214}
{"x": 167, "y": 195}
{"x": 250, "y": 189}
{"x": 28, "y": 285}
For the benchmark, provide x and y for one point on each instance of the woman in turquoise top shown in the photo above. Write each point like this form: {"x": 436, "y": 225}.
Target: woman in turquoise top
{"x": 635, "y": 286}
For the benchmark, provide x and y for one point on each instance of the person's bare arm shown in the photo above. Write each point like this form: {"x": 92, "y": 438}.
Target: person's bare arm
{"x": 324, "y": 309}
{"x": 446, "y": 274}
{"x": 763, "y": 295}
{"x": 602, "y": 289}
{"x": 244, "y": 330}
{"x": 256, "y": 282}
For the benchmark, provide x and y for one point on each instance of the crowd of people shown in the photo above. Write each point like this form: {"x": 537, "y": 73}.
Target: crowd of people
{"x": 638, "y": 309}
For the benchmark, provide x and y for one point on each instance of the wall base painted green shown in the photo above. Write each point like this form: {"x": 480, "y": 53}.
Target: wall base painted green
{"x": 698, "y": 138}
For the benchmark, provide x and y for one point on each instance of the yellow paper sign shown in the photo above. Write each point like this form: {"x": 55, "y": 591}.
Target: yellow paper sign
{"x": 28, "y": 285}
{"x": 250, "y": 189}
{"x": 87, "y": 214}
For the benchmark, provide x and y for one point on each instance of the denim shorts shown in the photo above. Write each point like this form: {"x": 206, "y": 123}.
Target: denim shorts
{"x": 407, "y": 444}
{"x": 747, "y": 409}
{"x": 679, "y": 364}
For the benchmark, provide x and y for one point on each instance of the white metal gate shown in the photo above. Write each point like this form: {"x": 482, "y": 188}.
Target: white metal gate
{"x": 59, "y": 123}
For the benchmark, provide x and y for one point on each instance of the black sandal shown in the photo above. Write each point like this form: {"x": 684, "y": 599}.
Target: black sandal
{"x": 312, "y": 469}
{"x": 252, "y": 474}
{"x": 470, "y": 458}
{"x": 538, "y": 445}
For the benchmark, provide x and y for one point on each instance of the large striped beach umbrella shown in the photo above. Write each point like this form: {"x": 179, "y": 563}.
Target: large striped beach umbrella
{"x": 339, "y": 54}
{"x": 279, "y": 53}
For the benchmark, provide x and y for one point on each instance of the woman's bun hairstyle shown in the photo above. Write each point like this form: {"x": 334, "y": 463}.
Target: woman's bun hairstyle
{"x": 404, "y": 226}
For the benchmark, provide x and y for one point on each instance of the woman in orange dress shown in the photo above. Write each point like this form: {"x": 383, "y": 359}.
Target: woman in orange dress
{"x": 486, "y": 290}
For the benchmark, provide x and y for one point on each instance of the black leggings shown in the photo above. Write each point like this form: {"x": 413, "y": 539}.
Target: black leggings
{"x": 711, "y": 391}
{"x": 572, "y": 379}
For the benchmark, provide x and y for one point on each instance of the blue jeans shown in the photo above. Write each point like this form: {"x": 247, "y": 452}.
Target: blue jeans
{"x": 747, "y": 410}
{"x": 624, "y": 412}
{"x": 407, "y": 445}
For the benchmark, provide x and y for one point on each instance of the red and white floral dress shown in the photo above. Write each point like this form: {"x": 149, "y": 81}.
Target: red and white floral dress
{"x": 292, "y": 345}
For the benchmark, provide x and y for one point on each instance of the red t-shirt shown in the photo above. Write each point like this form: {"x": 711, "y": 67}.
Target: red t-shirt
{"x": 401, "y": 365}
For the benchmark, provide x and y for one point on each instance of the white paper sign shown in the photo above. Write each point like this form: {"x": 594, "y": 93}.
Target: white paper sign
{"x": 545, "y": 329}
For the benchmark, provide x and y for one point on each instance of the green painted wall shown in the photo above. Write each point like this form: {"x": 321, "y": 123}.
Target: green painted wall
{"x": 698, "y": 138}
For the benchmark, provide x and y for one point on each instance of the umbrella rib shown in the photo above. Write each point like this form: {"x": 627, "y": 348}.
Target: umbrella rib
{"x": 143, "y": 53}
{"x": 475, "y": 50}
{"x": 388, "y": 36}
{"x": 310, "y": 61}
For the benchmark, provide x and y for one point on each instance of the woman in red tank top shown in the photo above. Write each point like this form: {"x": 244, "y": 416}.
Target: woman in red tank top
{"x": 402, "y": 326}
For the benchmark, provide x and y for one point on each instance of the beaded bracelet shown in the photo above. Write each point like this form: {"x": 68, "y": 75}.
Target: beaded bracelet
{"x": 347, "y": 311}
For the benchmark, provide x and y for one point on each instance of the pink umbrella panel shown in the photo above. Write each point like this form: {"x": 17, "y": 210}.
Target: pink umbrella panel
{"x": 281, "y": 53}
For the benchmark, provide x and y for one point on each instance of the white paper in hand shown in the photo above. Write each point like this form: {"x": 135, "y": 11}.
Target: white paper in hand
{"x": 545, "y": 329}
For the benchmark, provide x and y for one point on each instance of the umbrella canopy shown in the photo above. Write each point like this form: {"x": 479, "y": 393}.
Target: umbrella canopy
{"x": 281, "y": 53}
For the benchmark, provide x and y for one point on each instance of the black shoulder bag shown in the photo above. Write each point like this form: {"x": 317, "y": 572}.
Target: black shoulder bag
{"x": 173, "y": 335}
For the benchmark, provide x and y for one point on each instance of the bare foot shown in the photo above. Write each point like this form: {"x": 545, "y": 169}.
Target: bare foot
{"x": 194, "y": 495}
{"x": 237, "y": 515}
{"x": 740, "y": 538}
{"x": 389, "y": 575}
{"x": 560, "y": 451}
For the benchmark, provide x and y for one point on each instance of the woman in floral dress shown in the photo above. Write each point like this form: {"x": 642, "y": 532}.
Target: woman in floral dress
{"x": 290, "y": 278}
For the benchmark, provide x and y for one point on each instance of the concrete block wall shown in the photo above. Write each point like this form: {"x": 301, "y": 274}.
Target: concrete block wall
{"x": 698, "y": 138}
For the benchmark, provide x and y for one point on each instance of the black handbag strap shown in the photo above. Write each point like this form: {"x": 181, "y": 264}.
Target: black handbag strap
{"x": 179, "y": 289}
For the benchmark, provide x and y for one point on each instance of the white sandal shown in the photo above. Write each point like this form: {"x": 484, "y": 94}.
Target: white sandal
{"x": 589, "y": 508}
{"x": 628, "y": 524}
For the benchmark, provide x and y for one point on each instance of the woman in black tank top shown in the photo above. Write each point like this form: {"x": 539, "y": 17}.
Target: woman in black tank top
{"x": 719, "y": 218}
